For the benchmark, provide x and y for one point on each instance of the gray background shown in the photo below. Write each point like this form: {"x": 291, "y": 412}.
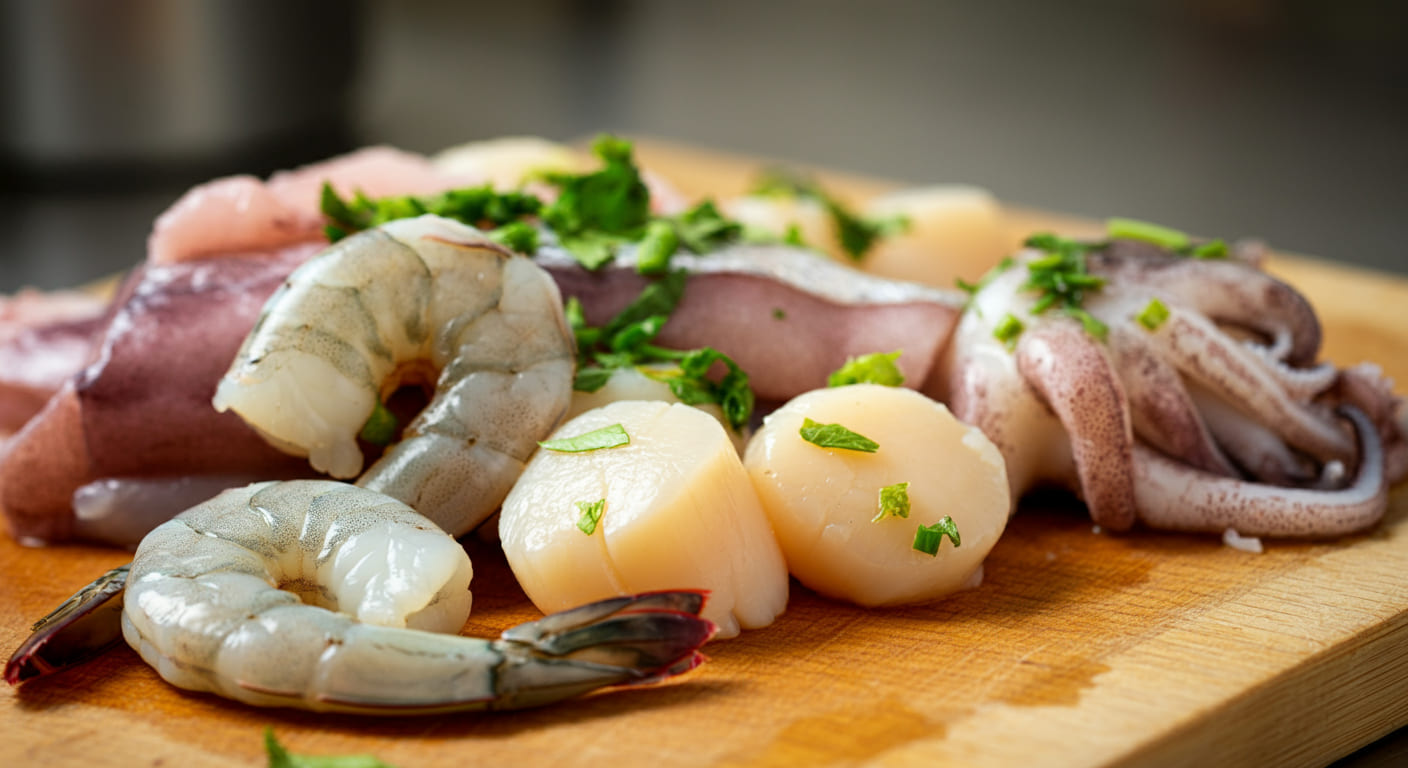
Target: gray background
{"x": 1279, "y": 119}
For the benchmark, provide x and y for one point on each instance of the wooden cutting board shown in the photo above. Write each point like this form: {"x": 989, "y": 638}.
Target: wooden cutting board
{"x": 1144, "y": 649}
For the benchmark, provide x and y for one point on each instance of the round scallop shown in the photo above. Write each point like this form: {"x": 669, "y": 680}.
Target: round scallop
{"x": 679, "y": 512}
{"x": 954, "y": 232}
{"x": 822, "y": 501}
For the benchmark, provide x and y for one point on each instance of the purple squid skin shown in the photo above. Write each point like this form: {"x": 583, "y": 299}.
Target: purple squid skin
{"x": 1215, "y": 418}
{"x": 142, "y": 407}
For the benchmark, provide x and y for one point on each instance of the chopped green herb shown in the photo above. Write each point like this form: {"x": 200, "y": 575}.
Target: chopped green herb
{"x": 1212, "y": 249}
{"x": 659, "y": 298}
{"x": 595, "y": 213}
{"x": 836, "y": 436}
{"x": 894, "y": 502}
{"x": 1060, "y": 278}
{"x": 875, "y": 368}
{"x": 793, "y": 236}
{"x": 1133, "y": 229}
{"x": 856, "y": 233}
{"x": 476, "y": 206}
{"x": 694, "y": 387}
{"x": 626, "y": 342}
{"x": 631, "y": 337}
{"x": 655, "y": 249}
{"x": 1166, "y": 237}
{"x": 279, "y": 757}
{"x": 928, "y": 538}
{"x": 517, "y": 236}
{"x": 380, "y": 428}
{"x": 702, "y": 228}
{"x": 1153, "y": 315}
{"x": 591, "y": 378}
{"x": 591, "y": 515}
{"x": 606, "y": 437}
{"x": 1091, "y": 323}
{"x": 1007, "y": 330}
{"x": 778, "y": 313}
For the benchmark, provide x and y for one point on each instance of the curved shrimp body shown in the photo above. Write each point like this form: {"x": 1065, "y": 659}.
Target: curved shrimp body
{"x": 213, "y": 603}
{"x": 416, "y": 300}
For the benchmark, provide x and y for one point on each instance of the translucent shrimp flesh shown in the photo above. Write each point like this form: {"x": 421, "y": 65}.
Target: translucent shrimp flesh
{"x": 414, "y": 301}
{"x": 320, "y": 595}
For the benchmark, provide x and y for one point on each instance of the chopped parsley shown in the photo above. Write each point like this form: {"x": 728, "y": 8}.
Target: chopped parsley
{"x": 656, "y": 247}
{"x": 702, "y": 228}
{"x": 894, "y": 502}
{"x": 875, "y": 368}
{"x": 591, "y": 515}
{"x": 928, "y": 538}
{"x": 596, "y": 213}
{"x": 517, "y": 236}
{"x": 1153, "y": 315}
{"x": 279, "y": 757}
{"x": 606, "y": 437}
{"x": 476, "y": 206}
{"x": 778, "y": 313}
{"x": 627, "y": 341}
{"x": 380, "y": 428}
{"x": 856, "y": 233}
{"x": 836, "y": 436}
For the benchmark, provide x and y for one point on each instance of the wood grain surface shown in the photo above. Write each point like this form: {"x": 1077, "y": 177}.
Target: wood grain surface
{"x": 1079, "y": 649}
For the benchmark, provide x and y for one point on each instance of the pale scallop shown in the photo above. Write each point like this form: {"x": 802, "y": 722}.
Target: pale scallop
{"x": 636, "y": 383}
{"x": 680, "y": 513}
{"x": 511, "y": 161}
{"x": 954, "y": 232}
{"x": 822, "y": 500}
{"x": 775, "y": 214}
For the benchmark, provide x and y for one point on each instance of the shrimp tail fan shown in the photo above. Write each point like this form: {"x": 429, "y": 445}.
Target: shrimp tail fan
{"x": 628, "y": 640}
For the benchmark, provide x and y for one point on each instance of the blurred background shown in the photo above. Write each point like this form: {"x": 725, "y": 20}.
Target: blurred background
{"x": 1284, "y": 119}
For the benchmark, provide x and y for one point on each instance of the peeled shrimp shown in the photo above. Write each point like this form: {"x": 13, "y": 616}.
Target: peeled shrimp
{"x": 424, "y": 299}
{"x": 213, "y": 604}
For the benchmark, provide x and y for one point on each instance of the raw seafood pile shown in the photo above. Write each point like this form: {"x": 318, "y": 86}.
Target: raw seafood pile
{"x": 1064, "y": 376}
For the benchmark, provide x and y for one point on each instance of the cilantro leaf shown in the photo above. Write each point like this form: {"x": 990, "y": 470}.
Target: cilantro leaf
{"x": 591, "y": 515}
{"x": 875, "y": 368}
{"x": 477, "y": 206}
{"x": 606, "y": 437}
{"x": 894, "y": 502}
{"x": 597, "y": 212}
{"x": 836, "y": 436}
{"x": 856, "y": 233}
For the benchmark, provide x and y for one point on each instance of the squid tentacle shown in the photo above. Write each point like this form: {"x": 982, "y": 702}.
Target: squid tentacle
{"x": 1255, "y": 448}
{"x": 1178, "y": 497}
{"x": 1197, "y": 348}
{"x": 1225, "y": 291}
{"x": 1076, "y": 379}
{"x": 1164, "y": 414}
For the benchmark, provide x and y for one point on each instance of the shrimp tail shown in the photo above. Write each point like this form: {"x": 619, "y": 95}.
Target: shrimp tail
{"x": 630, "y": 640}
{"x": 84, "y": 627}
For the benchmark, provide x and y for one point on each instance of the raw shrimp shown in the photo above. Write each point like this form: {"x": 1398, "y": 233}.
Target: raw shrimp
{"x": 213, "y": 603}
{"x": 413, "y": 301}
